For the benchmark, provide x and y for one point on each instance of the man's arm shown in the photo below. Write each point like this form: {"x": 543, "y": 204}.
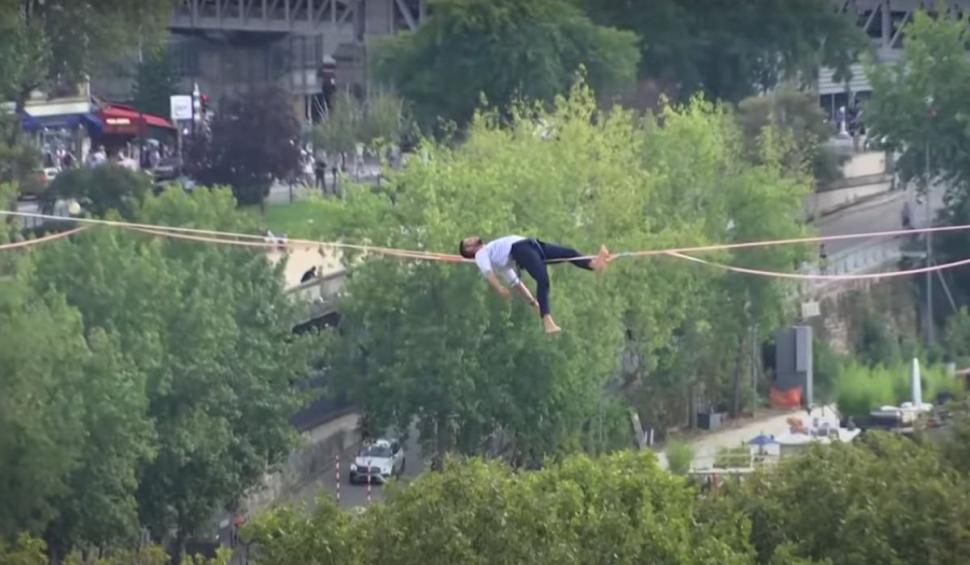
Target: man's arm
{"x": 493, "y": 280}
{"x": 524, "y": 291}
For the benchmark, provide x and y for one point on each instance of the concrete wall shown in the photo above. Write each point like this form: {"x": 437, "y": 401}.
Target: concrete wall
{"x": 305, "y": 464}
{"x": 865, "y": 175}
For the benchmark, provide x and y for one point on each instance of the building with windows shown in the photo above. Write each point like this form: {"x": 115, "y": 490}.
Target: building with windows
{"x": 883, "y": 21}
{"x": 229, "y": 46}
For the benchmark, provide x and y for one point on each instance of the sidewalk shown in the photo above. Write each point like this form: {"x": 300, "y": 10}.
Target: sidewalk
{"x": 707, "y": 444}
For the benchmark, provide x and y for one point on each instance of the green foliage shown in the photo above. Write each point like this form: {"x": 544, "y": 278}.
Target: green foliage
{"x": 733, "y": 457}
{"x": 287, "y": 535}
{"x": 156, "y": 80}
{"x": 25, "y": 550}
{"x": 19, "y": 162}
{"x": 380, "y": 118}
{"x": 826, "y": 367}
{"x": 502, "y": 50}
{"x": 231, "y": 155}
{"x": 956, "y": 447}
{"x": 680, "y": 456}
{"x": 102, "y": 189}
{"x": 144, "y": 381}
{"x": 933, "y": 67}
{"x": 42, "y": 358}
{"x": 731, "y": 50}
{"x": 861, "y": 389}
{"x": 421, "y": 340}
{"x": 883, "y": 499}
{"x": 956, "y": 338}
{"x": 796, "y": 119}
{"x": 53, "y": 44}
{"x": 617, "y": 509}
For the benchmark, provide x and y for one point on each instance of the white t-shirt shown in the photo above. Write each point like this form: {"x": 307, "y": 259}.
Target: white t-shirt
{"x": 494, "y": 256}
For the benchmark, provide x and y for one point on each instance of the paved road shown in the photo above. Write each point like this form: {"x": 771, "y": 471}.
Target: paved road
{"x": 280, "y": 193}
{"x": 706, "y": 446}
{"x": 357, "y": 495}
{"x": 881, "y": 214}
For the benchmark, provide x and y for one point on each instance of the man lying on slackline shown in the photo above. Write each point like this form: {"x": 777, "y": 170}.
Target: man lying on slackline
{"x": 531, "y": 255}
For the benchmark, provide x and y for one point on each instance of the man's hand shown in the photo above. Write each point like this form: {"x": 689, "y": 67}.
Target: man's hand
{"x": 524, "y": 291}
{"x": 503, "y": 292}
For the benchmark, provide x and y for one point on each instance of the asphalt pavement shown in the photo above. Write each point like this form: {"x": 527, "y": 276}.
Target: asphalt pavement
{"x": 358, "y": 495}
{"x": 883, "y": 213}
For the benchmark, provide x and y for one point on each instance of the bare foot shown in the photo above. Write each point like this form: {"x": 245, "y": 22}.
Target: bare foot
{"x": 550, "y": 326}
{"x": 602, "y": 258}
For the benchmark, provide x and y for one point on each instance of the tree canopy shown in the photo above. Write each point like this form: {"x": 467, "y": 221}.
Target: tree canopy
{"x": 884, "y": 499}
{"x": 427, "y": 341}
{"x": 500, "y": 49}
{"x": 616, "y": 509}
{"x": 731, "y": 50}
{"x": 156, "y": 80}
{"x": 145, "y": 382}
{"x": 55, "y": 43}
{"x": 918, "y": 109}
{"x": 230, "y": 155}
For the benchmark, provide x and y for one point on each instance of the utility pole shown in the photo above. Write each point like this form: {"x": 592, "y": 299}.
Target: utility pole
{"x": 929, "y": 254}
{"x": 929, "y": 223}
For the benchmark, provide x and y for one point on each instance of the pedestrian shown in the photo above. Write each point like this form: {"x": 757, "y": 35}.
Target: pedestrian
{"x": 823, "y": 260}
{"x": 359, "y": 160}
{"x": 532, "y": 255}
{"x": 320, "y": 174}
{"x": 309, "y": 275}
{"x": 907, "y": 216}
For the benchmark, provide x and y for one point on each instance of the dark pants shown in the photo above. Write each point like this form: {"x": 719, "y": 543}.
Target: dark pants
{"x": 532, "y": 256}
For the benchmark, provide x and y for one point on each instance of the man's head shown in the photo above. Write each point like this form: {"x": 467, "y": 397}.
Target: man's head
{"x": 469, "y": 246}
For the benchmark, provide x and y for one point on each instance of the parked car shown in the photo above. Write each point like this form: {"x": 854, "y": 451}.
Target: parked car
{"x": 378, "y": 462}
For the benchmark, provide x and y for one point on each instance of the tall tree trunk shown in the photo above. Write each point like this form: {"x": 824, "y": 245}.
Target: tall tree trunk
{"x": 178, "y": 548}
{"x": 736, "y": 385}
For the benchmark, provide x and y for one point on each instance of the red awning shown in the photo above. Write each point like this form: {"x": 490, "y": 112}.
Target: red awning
{"x": 123, "y": 120}
{"x": 156, "y": 122}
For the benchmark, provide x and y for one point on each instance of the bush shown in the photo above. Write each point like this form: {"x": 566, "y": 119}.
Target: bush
{"x": 882, "y": 499}
{"x": 103, "y": 188}
{"x": 733, "y": 457}
{"x": 862, "y": 389}
{"x": 679, "y": 457}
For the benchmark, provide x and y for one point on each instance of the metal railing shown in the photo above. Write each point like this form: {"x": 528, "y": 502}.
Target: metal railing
{"x": 319, "y": 294}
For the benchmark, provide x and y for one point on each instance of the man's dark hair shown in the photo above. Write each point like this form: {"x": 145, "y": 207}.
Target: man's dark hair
{"x": 464, "y": 252}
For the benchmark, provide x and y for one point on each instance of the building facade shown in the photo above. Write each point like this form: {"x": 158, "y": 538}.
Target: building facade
{"x": 230, "y": 46}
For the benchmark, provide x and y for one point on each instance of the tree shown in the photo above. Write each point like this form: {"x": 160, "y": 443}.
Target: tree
{"x": 42, "y": 356}
{"x": 680, "y": 456}
{"x": 920, "y": 100}
{"x": 501, "y": 50}
{"x": 617, "y": 509}
{"x": 918, "y": 109}
{"x": 206, "y": 333}
{"x": 956, "y": 339}
{"x": 53, "y": 44}
{"x": 156, "y": 80}
{"x": 729, "y": 51}
{"x": 427, "y": 342}
{"x": 853, "y": 504}
{"x": 101, "y": 190}
{"x": 798, "y": 121}
{"x": 232, "y": 156}
{"x": 379, "y": 118}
